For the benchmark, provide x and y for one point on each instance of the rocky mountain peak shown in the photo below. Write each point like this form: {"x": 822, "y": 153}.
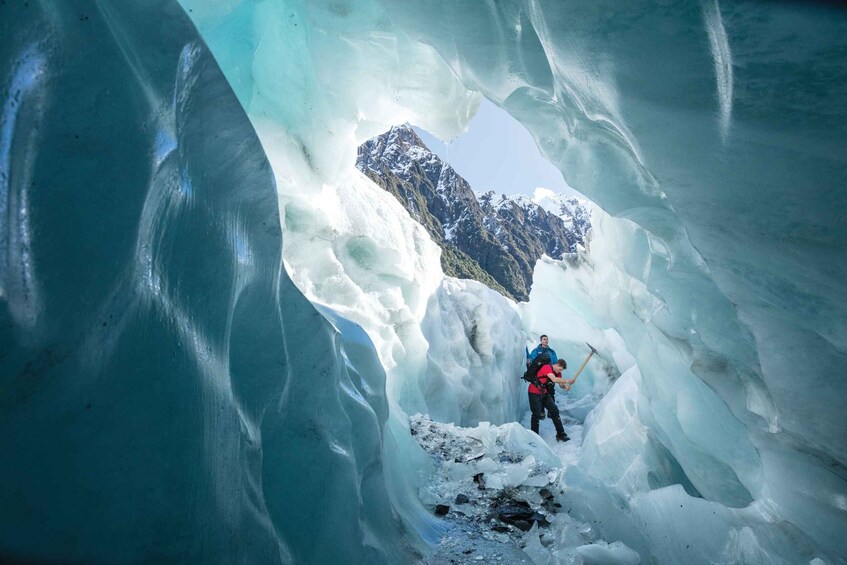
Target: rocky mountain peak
{"x": 495, "y": 239}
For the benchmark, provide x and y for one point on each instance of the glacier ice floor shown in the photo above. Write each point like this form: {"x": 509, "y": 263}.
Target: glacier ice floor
{"x": 498, "y": 469}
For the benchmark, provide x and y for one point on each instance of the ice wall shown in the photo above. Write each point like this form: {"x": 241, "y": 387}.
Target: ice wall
{"x": 349, "y": 244}
{"x": 661, "y": 451}
{"x": 451, "y": 348}
{"x": 168, "y": 395}
{"x": 474, "y": 358}
{"x": 716, "y": 130}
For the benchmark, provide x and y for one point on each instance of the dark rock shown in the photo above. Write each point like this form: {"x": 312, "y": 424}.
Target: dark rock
{"x": 546, "y": 494}
{"x": 479, "y": 480}
{"x": 501, "y": 529}
{"x": 441, "y": 509}
{"x": 511, "y": 511}
{"x": 523, "y": 525}
{"x": 462, "y": 499}
{"x": 541, "y": 519}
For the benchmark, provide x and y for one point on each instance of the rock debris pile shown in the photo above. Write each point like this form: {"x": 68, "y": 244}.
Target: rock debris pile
{"x": 498, "y": 489}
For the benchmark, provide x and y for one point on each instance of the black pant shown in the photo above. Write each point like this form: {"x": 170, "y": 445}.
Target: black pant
{"x": 537, "y": 404}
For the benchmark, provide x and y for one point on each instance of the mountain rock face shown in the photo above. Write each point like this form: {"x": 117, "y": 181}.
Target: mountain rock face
{"x": 493, "y": 239}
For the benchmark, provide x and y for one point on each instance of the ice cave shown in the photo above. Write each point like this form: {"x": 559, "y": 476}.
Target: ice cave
{"x": 220, "y": 342}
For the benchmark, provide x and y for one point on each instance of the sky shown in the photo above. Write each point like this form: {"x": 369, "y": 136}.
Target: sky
{"x": 497, "y": 153}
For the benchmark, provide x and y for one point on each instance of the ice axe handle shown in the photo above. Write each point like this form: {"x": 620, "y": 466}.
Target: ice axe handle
{"x": 584, "y": 363}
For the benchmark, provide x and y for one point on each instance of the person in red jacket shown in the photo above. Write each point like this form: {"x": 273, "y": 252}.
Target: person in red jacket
{"x": 541, "y": 396}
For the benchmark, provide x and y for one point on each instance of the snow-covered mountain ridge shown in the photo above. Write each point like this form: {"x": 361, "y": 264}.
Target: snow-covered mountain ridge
{"x": 493, "y": 239}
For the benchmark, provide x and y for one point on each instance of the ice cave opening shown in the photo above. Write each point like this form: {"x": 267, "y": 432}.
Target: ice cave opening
{"x": 219, "y": 337}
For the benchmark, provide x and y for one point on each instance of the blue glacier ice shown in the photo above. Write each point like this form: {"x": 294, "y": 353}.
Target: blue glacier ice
{"x": 214, "y": 329}
{"x": 168, "y": 394}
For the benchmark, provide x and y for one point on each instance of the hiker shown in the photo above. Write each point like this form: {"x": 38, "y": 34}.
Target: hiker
{"x": 543, "y": 347}
{"x": 541, "y": 395}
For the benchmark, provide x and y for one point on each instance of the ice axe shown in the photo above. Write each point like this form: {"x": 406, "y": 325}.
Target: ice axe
{"x": 584, "y": 363}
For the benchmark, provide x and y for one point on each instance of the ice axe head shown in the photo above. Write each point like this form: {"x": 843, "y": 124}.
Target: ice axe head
{"x": 593, "y": 349}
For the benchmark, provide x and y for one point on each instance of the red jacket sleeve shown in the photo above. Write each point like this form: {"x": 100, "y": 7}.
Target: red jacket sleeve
{"x": 544, "y": 371}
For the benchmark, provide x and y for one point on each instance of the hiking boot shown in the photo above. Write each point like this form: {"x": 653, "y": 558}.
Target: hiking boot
{"x": 562, "y": 437}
